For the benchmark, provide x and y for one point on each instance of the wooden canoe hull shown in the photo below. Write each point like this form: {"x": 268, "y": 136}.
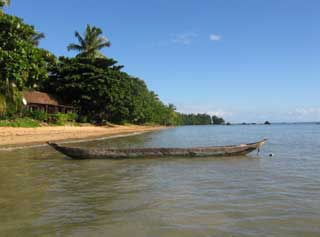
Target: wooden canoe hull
{"x": 101, "y": 153}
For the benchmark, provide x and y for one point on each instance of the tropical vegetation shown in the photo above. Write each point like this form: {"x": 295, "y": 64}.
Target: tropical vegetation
{"x": 95, "y": 84}
{"x": 91, "y": 43}
{"x": 23, "y": 65}
{"x": 4, "y": 3}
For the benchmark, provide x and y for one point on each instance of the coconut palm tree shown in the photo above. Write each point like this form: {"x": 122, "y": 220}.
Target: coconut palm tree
{"x": 91, "y": 43}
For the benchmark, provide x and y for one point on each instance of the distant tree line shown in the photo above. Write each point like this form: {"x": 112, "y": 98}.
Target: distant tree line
{"x": 217, "y": 120}
{"x": 199, "y": 119}
{"x": 95, "y": 84}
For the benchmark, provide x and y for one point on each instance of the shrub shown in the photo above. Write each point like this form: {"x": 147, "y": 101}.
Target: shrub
{"x": 3, "y": 106}
{"x": 37, "y": 115}
{"x": 10, "y": 105}
{"x": 82, "y": 119}
{"x": 62, "y": 119}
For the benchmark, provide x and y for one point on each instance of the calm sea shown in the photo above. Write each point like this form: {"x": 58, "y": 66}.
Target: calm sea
{"x": 44, "y": 194}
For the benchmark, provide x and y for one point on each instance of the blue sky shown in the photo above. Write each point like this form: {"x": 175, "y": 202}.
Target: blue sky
{"x": 248, "y": 60}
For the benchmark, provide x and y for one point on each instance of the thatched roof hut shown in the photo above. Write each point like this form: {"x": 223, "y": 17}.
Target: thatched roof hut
{"x": 37, "y": 97}
{"x": 36, "y": 100}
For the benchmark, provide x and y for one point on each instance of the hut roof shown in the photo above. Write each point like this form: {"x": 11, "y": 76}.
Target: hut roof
{"x": 36, "y": 97}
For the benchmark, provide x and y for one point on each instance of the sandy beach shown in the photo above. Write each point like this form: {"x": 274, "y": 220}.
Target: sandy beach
{"x": 29, "y": 136}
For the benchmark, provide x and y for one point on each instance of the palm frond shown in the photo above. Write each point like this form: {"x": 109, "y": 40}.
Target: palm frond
{"x": 74, "y": 47}
{"x": 79, "y": 37}
{"x": 96, "y": 31}
{"x": 102, "y": 45}
{"x": 90, "y": 43}
{"x": 36, "y": 38}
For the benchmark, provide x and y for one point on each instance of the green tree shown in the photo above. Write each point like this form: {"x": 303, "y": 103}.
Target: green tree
{"x": 91, "y": 43}
{"x": 217, "y": 120}
{"x": 4, "y": 3}
{"x": 22, "y": 64}
{"x": 102, "y": 92}
{"x": 194, "y": 119}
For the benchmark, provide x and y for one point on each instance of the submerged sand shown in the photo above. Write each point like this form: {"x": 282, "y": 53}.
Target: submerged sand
{"x": 25, "y": 136}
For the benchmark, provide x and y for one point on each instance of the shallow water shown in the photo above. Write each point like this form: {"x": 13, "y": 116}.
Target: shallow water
{"x": 44, "y": 194}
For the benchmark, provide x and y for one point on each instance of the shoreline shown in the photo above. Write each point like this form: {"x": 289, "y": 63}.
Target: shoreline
{"x": 21, "y": 138}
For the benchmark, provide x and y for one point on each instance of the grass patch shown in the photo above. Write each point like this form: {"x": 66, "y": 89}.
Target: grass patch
{"x": 20, "y": 122}
{"x": 63, "y": 119}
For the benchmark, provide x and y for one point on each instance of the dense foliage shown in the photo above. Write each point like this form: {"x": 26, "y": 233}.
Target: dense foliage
{"x": 199, "y": 119}
{"x": 195, "y": 119}
{"x": 22, "y": 63}
{"x": 217, "y": 120}
{"x": 93, "y": 83}
{"x": 102, "y": 92}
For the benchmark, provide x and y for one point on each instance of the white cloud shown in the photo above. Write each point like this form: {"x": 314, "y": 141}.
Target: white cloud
{"x": 220, "y": 113}
{"x": 185, "y": 38}
{"x": 310, "y": 112}
{"x": 188, "y": 108}
{"x": 215, "y": 37}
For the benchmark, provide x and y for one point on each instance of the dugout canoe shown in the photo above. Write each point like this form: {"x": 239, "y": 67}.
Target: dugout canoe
{"x": 108, "y": 153}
